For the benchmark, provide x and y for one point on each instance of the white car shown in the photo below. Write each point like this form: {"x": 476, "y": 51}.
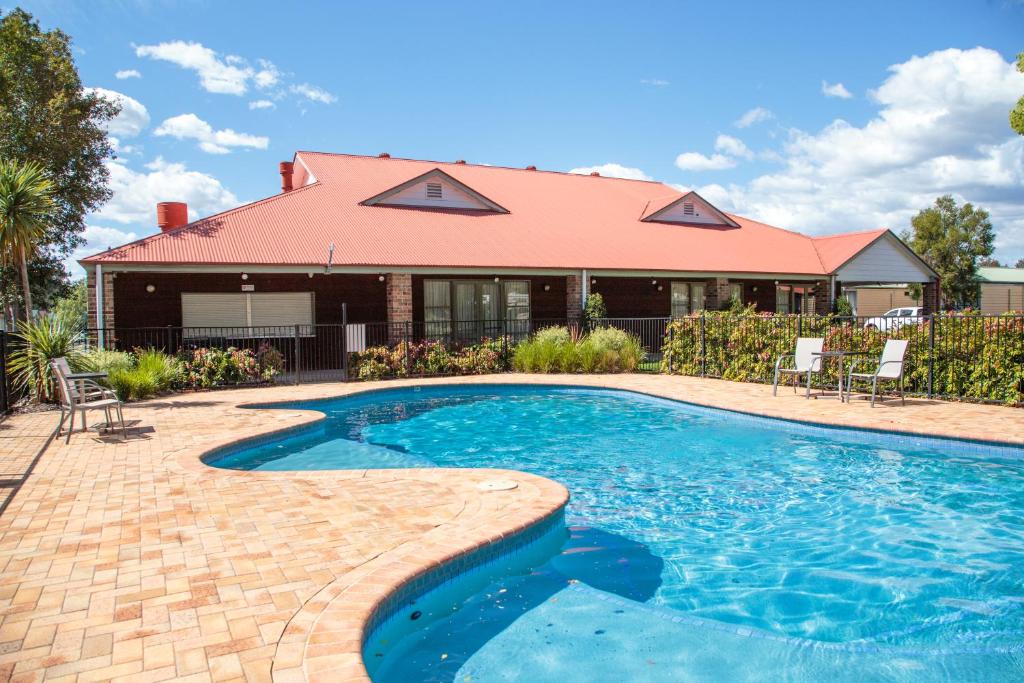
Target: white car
{"x": 895, "y": 319}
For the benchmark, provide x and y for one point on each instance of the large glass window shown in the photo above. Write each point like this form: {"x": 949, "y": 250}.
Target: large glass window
{"x": 470, "y": 309}
{"x": 736, "y": 291}
{"x": 783, "y": 296}
{"x": 687, "y": 297}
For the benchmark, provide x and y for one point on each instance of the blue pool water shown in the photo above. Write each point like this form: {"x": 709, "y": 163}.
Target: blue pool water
{"x": 702, "y": 544}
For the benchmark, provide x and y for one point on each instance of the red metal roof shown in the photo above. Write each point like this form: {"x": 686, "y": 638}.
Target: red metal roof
{"x": 554, "y": 220}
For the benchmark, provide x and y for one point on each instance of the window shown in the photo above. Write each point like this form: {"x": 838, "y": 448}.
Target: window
{"x": 687, "y": 297}
{"x": 262, "y": 314}
{"x": 736, "y": 291}
{"x": 783, "y": 294}
{"x": 434, "y": 191}
{"x": 437, "y": 308}
{"x": 470, "y": 309}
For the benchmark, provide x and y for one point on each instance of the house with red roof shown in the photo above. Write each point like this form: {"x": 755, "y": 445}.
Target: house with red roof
{"x": 452, "y": 244}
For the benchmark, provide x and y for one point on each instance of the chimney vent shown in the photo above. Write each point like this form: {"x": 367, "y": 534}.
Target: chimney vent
{"x": 286, "y": 168}
{"x": 531, "y": 168}
{"x": 594, "y": 173}
{"x": 171, "y": 215}
{"x": 383, "y": 155}
{"x": 460, "y": 161}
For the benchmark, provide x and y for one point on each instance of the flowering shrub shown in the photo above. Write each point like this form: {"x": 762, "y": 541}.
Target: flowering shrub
{"x": 973, "y": 357}
{"x": 207, "y": 367}
{"x": 430, "y": 358}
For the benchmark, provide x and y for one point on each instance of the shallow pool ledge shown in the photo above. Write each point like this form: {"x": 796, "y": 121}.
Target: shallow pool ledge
{"x": 324, "y": 640}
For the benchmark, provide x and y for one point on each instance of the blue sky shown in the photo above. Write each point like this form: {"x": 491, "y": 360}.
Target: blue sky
{"x": 864, "y": 112}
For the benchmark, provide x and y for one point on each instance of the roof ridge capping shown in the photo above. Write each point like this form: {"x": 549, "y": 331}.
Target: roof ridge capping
{"x": 463, "y": 162}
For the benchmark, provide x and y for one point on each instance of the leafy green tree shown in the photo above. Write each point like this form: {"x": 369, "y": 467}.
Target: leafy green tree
{"x": 989, "y": 262}
{"x": 1019, "y": 263}
{"x": 26, "y": 207}
{"x": 74, "y": 307}
{"x": 594, "y": 308}
{"x": 46, "y": 117}
{"x": 1017, "y": 113}
{"x": 952, "y": 239}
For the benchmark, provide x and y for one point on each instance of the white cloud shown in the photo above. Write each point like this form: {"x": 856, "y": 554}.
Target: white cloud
{"x": 613, "y": 171}
{"x": 133, "y": 118}
{"x": 694, "y": 161}
{"x": 97, "y": 238}
{"x": 940, "y": 128}
{"x": 191, "y": 127}
{"x": 311, "y": 92}
{"x": 727, "y": 144}
{"x": 127, "y": 73}
{"x": 835, "y": 90}
{"x": 755, "y": 115}
{"x": 136, "y": 193}
{"x": 228, "y": 75}
{"x": 261, "y": 104}
{"x": 654, "y": 81}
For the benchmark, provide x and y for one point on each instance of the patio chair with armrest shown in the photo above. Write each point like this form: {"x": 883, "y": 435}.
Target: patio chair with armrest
{"x": 804, "y": 361}
{"x": 890, "y": 368}
{"x": 81, "y": 396}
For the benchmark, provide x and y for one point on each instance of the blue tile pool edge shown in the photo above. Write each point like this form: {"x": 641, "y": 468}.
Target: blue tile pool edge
{"x": 391, "y": 606}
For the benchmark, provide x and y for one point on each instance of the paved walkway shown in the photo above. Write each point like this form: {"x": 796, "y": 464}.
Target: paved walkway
{"x": 134, "y": 561}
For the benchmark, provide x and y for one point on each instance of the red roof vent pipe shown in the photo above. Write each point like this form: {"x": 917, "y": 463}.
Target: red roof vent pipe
{"x": 286, "y": 168}
{"x": 531, "y": 168}
{"x": 171, "y": 215}
{"x": 383, "y": 155}
{"x": 594, "y": 173}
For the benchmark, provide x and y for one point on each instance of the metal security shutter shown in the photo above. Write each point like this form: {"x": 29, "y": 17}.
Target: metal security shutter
{"x": 276, "y": 314}
{"x": 206, "y": 315}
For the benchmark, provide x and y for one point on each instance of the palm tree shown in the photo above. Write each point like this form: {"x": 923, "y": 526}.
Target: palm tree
{"x": 26, "y": 204}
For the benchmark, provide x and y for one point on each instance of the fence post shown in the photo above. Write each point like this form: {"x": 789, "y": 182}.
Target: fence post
{"x": 703, "y": 346}
{"x": 298, "y": 355}
{"x": 5, "y": 398}
{"x": 408, "y": 342}
{"x": 344, "y": 342}
{"x": 799, "y": 325}
{"x": 671, "y": 337}
{"x": 931, "y": 352}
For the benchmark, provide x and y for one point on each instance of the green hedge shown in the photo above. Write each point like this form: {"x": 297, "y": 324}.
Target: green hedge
{"x": 975, "y": 357}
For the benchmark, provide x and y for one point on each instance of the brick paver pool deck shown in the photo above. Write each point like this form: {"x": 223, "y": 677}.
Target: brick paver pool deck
{"x": 134, "y": 561}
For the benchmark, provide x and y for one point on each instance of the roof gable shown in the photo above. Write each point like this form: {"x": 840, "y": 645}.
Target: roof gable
{"x": 434, "y": 189}
{"x": 688, "y": 209}
{"x": 873, "y": 256}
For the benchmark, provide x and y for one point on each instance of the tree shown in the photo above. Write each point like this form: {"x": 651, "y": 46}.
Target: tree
{"x": 74, "y": 308}
{"x": 1019, "y": 263}
{"x": 46, "y": 117}
{"x": 1017, "y": 113}
{"x": 26, "y": 207}
{"x": 989, "y": 262}
{"x": 951, "y": 239}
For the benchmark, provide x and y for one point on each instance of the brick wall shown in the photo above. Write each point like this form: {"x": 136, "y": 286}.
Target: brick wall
{"x": 399, "y": 297}
{"x": 822, "y": 305}
{"x": 932, "y": 299}
{"x": 716, "y": 293}
{"x": 573, "y": 297}
{"x": 108, "y": 299}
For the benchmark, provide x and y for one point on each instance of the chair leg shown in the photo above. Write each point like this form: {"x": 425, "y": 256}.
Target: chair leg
{"x": 808, "y": 395}
{"x": 120, "y": 417}
{"x": 874, "y": 390}
{"x": 775, "y": 384}
{"x": 63, "y": 416}
{"x": 903, "y": 398}
{"x": 71, "y": 427}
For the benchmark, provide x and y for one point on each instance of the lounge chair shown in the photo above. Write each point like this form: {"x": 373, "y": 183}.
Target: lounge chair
{"x": 890, "y": 368}
{"x": 81, "y": 396}
{"x": 805, "y": 362}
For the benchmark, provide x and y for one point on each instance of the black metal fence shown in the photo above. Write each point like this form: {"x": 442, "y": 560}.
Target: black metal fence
{"x": 6, "y": 397}
{"x": 949, "y": 356}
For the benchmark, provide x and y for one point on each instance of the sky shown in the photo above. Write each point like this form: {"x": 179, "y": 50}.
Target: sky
{"x": 817, "y": 117}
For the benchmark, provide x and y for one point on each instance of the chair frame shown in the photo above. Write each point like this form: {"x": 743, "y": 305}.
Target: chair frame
{"x": 87, "y": 395}
{"x": 813, "y": 369}
{"x": 875, "y": 377}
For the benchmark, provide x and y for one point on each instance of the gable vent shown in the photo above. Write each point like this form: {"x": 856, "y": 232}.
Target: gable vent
{"x": 688, "y": 208}
{"x": 434, "y": 191}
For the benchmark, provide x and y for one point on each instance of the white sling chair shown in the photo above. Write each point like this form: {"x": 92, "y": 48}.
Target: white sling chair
{"x": 81, "y": 396}
{"x": 805, "y": 362}
{"x": 890, "y": 368}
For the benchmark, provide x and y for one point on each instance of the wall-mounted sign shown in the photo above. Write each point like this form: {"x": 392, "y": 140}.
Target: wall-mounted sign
{"x": 248, "y": 288}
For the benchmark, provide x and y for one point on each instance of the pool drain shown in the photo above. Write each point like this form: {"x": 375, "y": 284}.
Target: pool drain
{"x": 497, "y": 485}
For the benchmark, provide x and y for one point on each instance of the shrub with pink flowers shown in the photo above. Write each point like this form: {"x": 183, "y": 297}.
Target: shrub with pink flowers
{"x": 210, "y": 367}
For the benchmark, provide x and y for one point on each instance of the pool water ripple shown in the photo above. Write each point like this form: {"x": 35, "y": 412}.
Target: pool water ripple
{"x": 836, "y": 536}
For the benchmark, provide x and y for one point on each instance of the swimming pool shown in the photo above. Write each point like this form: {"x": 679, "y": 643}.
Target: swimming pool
{"x": 703, "y": 544}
